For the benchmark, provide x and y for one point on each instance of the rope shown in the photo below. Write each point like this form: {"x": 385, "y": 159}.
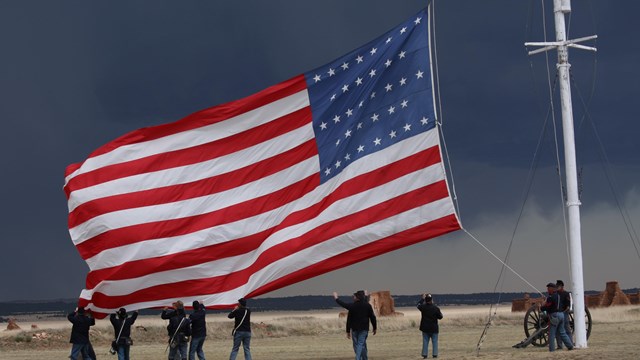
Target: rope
{"x": 439, "y": 121}
{"x": 606, "y": 165}
{"x": 555, "y": 132}
{"x": 502, "y": 262}
{"x": 529, "y": 183}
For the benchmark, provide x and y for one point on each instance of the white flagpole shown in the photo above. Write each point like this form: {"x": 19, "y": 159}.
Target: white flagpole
{"x": 560, "y": 8}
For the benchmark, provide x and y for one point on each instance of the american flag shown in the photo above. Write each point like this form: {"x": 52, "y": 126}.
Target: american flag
{"x": 324, "y": 170}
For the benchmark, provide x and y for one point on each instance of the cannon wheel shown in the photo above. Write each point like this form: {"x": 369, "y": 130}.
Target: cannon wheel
{"x": 587, "y": 322}
{"x": 533, "y": 321}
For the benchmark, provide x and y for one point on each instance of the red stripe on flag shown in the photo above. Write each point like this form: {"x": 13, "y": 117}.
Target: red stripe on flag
{"x": 203, "y": 118}
{"x": 208, "y": 186}
{"x": 175, "y": 227}
{"x": 148, "y": 231}
{"x": 408, "y": 237}
{"x": 192, "y": 155}
{"x": 315, "y": 236}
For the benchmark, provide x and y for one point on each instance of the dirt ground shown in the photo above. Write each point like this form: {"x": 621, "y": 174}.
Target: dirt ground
{"x": 320, "y": 335}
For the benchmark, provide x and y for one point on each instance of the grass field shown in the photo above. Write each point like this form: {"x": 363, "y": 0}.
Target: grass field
{"x": 320, "y": 335}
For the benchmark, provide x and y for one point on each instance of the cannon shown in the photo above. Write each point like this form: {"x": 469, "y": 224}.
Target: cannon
{"x": 536, "y": 324}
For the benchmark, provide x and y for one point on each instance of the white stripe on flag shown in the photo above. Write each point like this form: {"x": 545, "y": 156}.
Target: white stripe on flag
{"x": 199, "y": 136}
{"x": 303, "y": 258}
{"x": 119, "y": 255}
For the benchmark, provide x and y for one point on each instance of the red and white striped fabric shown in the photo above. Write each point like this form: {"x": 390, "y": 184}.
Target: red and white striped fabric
{"x": 231, "y": 202}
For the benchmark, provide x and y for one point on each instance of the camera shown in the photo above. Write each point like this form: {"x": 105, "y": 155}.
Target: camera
{"x": 112, "y": 351}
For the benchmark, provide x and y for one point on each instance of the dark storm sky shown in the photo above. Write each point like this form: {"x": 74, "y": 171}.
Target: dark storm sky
{"x": 77, "y": 74}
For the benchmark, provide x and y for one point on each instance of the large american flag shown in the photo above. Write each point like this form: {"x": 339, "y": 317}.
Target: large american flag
{"x": 324, "y": 170}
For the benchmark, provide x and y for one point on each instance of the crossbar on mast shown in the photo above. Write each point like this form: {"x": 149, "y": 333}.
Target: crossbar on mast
{"x": 560, "y": 8}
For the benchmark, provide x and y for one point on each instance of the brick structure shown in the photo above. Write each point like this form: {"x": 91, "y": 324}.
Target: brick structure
{"x": 12, "y": 325}
{"x": 611, "y": 296}
{"x": 518, "y": 305}
{"x": 383, "y": 304}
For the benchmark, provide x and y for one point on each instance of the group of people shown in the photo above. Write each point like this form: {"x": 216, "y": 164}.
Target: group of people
{"x": 190, "y": 332}
{"x": 558, "y": 306}
{"x": 186, "y": 334}
{"x": 360, "y": 314}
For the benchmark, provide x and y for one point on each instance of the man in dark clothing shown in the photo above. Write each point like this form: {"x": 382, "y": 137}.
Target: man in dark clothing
{"x": 553, "y": 308}
{"x": 241, "y": 315}
{"x": 565, "y": 300}
{"x": 122, "y": 332}
{"x": 80, "y": 333}
{"x": 198, "y": 331}
{"x": 429, "y": 324}
{"x": 179, "y": 330}
{"x": 360, "y": 313}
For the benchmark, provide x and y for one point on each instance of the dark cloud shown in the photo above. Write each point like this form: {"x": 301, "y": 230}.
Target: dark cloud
{"x": 76, "y": 75}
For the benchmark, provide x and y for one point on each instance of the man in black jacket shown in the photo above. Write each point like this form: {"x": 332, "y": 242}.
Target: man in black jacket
{"x": 241, "y": 315}
{"x": 80, "y": 333}
{"x": 429, "y": 324}
{"x": 122, "y": 332}
{"x": 198, "y": 330}
{"x": 360, "y": 313}
{"x": 179, "y": 330}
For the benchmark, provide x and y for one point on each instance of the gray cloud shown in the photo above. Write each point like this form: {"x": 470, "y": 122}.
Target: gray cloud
{"x": 79, "y": 74}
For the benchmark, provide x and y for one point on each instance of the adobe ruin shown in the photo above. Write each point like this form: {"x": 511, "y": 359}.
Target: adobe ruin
{"x": 383, "y": 304}
{"x": 611, "y": 296}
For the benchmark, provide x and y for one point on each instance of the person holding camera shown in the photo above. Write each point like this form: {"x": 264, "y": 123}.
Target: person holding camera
{"x": 179, "y": 330}
{"x": 122, "y": 332}
{"x": 80, "y": 334}
{"x": 241, "y": 316}
{"x": 430, "y": 314}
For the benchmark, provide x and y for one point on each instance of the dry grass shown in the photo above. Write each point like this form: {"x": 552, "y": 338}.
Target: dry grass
{"x": 320, "y": 335}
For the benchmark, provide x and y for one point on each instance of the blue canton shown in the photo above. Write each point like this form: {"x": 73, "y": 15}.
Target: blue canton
{"x": 373, "y": 97}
